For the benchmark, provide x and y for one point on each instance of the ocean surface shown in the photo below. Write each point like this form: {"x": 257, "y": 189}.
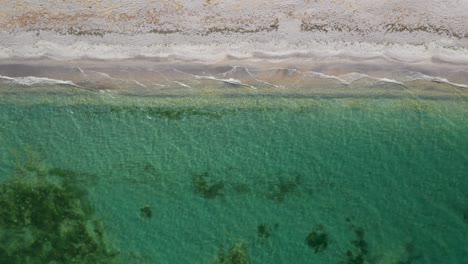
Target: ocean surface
{"x": 233, "y": 132}
{"x": 240, "y": 179}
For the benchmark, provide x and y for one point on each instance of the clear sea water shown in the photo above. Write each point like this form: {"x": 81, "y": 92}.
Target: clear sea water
{"x": 177, "y": 180}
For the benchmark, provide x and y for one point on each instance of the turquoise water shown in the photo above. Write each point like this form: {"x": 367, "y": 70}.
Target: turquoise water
{"x": 179, "y": 180}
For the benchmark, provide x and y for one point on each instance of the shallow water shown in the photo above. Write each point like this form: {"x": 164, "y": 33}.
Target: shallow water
{"x": 178, "y": 180}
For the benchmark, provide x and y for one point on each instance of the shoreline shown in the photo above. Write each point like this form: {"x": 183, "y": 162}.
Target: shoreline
{"x": 291, "y": 77}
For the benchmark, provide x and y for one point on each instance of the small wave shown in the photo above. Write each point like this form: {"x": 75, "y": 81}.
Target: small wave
{"x": 349, "y": 78}
{"x": 229, "y": 81}
{"x": 354, "y": 76}
{"x": 324, "y": 76}
{"x": 139, "y": 83}
{"x": 32, "y": 80}
{"x": 104, "y": 80}
{"x": 183, "y": 84}
{"x": 408, "y": 76}
{"x": 244, "y": 72}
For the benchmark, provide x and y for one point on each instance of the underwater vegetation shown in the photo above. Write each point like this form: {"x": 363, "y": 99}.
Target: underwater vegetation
{"x": 206, "y": 186}
{"x": 283, "y": 187}
{"x": 146, "y": 212}
{"x": 166, "y": 113}
{"x": 139, "y": 257}
{"x": 45, "y": 217}
{"x": 264, "y": 231}
{"x": 235, "y": 255}
{"x": 240, "y": 188}
{"x": 206, "y": 189}
{"x": 360, "y": 253}
{"x": 317, "y": 239}
{"x": 411, "y": 255}
{"x": 465, "y": 213}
